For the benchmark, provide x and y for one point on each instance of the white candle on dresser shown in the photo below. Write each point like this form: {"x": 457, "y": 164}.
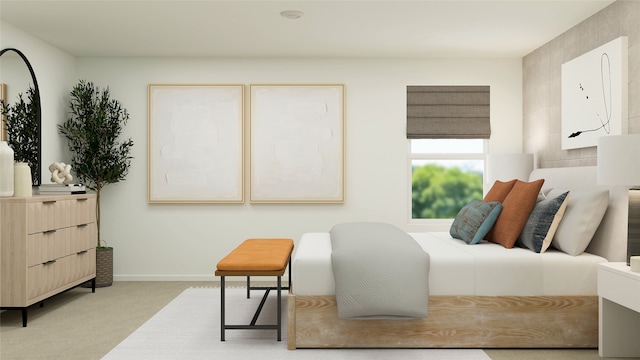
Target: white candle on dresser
{"x": 6, "y": 169}
{"x": 22, "y": 180}
{"x": 635, "y": 263}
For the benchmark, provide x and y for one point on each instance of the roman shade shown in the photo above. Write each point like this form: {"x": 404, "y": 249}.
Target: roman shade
{"x": 448, "y": 112}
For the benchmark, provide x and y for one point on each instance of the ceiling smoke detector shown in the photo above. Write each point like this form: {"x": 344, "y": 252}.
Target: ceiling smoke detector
{"x": 291, "y": 14}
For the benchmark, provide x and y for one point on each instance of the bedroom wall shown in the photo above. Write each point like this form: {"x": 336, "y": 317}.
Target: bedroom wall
{"x": 169, "y": 241}
{"x": 542, "y": 82}
{"x": 184, "y": 242}
{"x": 55, "y": 71}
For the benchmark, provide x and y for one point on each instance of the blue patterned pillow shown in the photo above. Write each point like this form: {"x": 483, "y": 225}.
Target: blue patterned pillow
{"x": 475, "y": 220}
{"x": 543, "y": 223}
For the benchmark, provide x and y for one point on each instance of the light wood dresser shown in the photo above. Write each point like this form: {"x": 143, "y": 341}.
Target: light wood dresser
{"x": 47, "y": 246}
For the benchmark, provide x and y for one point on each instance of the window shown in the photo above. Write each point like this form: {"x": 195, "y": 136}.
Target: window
{"x": 446, "y": 174}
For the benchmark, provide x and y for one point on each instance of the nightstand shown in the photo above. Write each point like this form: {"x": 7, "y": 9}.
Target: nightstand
{"x": 619, "y": 315}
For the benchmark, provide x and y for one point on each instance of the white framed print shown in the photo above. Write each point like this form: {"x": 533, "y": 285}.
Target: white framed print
{"x": 297, "y": 143}
{"x": 196, "y": 143}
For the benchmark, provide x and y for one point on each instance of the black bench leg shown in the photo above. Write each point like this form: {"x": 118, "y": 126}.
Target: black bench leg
{"x": 248, "y": 287}
{"x": 279, "y": 308}
{"x": 222, "y": 326}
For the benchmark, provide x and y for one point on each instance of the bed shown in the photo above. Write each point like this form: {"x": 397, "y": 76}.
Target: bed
{"x": 480, "y": 296}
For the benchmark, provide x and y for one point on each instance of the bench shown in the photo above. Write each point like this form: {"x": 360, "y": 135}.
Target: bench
{"x": 256, "y": 257}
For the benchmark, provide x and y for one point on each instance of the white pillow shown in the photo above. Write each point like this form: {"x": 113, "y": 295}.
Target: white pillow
{"x": 581, "y": 219}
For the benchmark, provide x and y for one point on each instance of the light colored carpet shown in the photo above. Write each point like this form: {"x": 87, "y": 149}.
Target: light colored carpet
{"x": 189, "y": 328}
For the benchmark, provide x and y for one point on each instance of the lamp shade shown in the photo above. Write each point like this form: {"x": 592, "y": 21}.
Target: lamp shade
{"x": 619, "y": 160}
{"x": 505, "y": 167}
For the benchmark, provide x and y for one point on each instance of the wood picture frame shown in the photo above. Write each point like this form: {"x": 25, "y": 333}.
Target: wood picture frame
{"x": 297, "y": 143}
{"x": 196, "y": 143}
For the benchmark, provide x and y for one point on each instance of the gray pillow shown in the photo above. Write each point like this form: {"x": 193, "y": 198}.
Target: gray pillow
{"x": 581, "y": 219}
{"x": 543, "y": 222}
{"x": 475, "y": 220}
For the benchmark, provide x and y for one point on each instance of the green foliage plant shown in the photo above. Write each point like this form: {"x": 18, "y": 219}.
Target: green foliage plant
{"x": 93, "y": 130}
{"x": 22, "y": 129}
{"x": 440, "y": 192}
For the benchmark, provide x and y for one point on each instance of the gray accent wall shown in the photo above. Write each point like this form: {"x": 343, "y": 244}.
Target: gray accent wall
{"x": 542, "y": 111}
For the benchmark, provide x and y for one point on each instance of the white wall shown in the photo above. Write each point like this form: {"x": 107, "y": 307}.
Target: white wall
{"x": 55, "y": 72}
{"x": 185, "y": 241}
{"x": 178, "y": 242}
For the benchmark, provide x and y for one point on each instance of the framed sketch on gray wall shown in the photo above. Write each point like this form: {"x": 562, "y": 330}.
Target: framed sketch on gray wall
{"x": 196, "y": 143}
{"x": 594, "y": 95}
{"x": 297, "y": 143}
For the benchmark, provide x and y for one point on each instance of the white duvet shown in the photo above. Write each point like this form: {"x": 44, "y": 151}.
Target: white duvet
{"x": 484, "y": 269}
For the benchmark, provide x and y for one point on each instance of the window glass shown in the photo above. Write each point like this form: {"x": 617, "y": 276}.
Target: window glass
{"x": 446, "y": 174}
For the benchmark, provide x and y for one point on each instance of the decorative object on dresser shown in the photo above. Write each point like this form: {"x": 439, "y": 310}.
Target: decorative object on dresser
{"x": 619, "y": 164}
{"x": 6, "y": 169}
{"x": 60, "y": 173}
{"x": 635, "y": 263}
{"x": 93, "y": 132}
{"x": 68, "y": 189}
{"x": 47, "y": 246}
{"x": 22, "y": 123}
{"x": 22, "y": 180}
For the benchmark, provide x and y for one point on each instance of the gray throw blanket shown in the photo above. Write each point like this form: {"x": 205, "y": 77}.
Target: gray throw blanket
{"x": 379, "y": 271}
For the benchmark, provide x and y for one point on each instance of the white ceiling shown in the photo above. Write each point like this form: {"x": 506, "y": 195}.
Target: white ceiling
{"x": 330, "y": 28}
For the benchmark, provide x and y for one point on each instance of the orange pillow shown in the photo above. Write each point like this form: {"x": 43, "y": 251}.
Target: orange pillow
{"x": 499, "y": 191}
{"x": 516, "y": 208}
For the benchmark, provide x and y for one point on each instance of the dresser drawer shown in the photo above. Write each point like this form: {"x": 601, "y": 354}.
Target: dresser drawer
{"x": 55, "y": 275}
{"x": 54, "y": 244}
{"x": 48, "y": 215}
{"x": 83, "y": 210}
{"x": 49, "y": 245}
{"x": 83, "y": 237}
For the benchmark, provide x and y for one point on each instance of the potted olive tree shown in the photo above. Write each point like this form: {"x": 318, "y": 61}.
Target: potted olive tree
{"x": 99, "y": 156}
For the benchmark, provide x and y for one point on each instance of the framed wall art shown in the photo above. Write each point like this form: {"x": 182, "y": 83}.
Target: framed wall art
{"x": 297, "y": 143}
{"x": 594, "y": 95}
{"x": 196, "y": 143}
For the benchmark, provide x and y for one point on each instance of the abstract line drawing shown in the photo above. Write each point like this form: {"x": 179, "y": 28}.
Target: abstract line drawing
{"x": 594, "y": 95}
{"x": 605, "y": 74}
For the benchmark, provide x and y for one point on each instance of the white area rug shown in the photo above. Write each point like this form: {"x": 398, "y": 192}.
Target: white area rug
{"x": 189, "y": 328}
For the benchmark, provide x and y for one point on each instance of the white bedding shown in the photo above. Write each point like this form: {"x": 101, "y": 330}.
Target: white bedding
{"x": 485, "y": 269}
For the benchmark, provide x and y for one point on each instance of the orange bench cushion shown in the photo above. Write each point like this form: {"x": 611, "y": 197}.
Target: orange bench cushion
{"x": 258, "y": 255}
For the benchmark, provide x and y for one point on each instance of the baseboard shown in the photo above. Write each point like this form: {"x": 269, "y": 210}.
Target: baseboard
{"x": 189, "y": 278}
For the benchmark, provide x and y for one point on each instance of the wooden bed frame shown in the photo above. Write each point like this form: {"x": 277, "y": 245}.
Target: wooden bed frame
{"x": 477, "y": 321}
{"x": 453, "y": 322}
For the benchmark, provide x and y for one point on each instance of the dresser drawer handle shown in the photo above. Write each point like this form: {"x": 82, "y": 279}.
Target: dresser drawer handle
{"x": 82, "y": 199}
{"x": 48, "y": 262}
{"x": 82, "y": 225}
{"x": 49, "y": 202}
{"x": 82, "y": 252}
{"x": 49, "y": 232}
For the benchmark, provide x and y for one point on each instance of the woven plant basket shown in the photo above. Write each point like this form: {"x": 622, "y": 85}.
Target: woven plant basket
{"x": 104, "y": 267}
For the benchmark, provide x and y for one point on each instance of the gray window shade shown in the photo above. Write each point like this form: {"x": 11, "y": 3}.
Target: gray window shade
{"x": 448, "y": 112}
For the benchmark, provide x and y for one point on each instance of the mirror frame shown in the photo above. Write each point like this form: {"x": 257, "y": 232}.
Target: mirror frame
{"x": 35, "y": 173}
